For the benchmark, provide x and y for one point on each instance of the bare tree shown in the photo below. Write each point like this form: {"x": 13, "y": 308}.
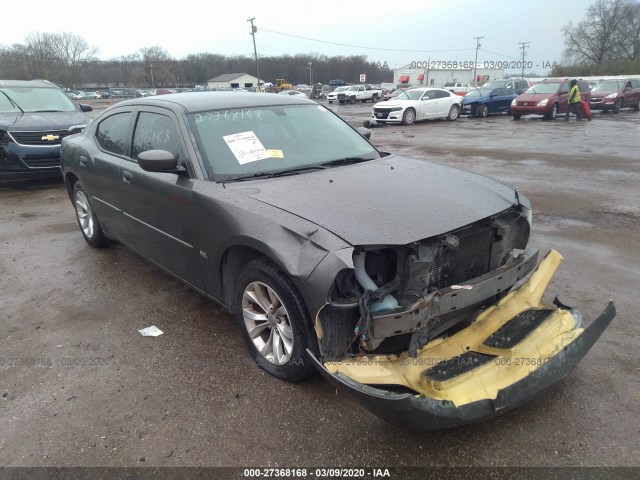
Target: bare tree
{"x": 599, "y": 37}
{"x": 73, "y": 50}
{"x": 43, "y": 61}
{"x": 630, "y": 32}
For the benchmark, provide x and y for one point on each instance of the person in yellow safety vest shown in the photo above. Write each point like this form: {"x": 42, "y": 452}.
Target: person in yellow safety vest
{"x": 573, "y": 103}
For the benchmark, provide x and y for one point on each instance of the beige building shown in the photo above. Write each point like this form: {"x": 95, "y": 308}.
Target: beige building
{"x": 233, "y": 80}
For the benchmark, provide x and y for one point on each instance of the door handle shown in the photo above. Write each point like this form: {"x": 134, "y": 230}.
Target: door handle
{"x": 126, "y": 176}
{"x": 83, "y": 161}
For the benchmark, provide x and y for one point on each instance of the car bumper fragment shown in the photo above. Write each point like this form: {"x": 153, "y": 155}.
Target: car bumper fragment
{"x": 471, "y": 376}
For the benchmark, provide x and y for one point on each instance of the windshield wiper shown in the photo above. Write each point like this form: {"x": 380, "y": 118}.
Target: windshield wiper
{"x": 280, "y": 173}
{"x": 12, "y": 101}
{"x": 345, "y": 161}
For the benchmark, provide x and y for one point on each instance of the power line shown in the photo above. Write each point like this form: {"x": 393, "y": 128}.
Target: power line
{"x": 367, "y": 48}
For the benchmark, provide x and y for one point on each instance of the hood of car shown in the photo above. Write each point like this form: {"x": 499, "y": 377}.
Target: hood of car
{"x": 42, "y": 120}
{"x": 534, "y": 97}
{"x": 394, "y": 102}
{"x": 470, "y": 100}
{"x": 602, "y": 93}
{"x": 390, "y": 201}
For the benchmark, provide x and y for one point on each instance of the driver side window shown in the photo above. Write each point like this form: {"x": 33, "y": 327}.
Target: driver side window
{"x": 156, "y": 132}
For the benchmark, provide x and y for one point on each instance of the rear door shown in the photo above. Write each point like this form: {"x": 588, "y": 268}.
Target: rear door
{"x": 444, "y": 100}
{"x": 101, "y": 169}
{"x": 158, "y": 206}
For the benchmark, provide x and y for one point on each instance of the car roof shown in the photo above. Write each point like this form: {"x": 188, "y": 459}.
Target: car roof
{"x": 27, "y": 84}
{"x": 426, "y": 89}
{"x": 203, "y": 101}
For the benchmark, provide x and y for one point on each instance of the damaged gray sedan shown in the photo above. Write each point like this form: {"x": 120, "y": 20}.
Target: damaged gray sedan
{"x": 408, "y": 285}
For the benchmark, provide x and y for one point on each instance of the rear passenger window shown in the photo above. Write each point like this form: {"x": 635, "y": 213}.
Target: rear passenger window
{"x": 156, "y": 132}
{"x": 113, "y": 133}
{"x": 440, "y": 94}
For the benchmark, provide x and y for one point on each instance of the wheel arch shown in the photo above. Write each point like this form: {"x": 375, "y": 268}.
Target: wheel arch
{"x": 69, "y": 181}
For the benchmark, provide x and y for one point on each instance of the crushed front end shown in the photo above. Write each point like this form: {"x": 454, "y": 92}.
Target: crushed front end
{"x": 450, "y": 330}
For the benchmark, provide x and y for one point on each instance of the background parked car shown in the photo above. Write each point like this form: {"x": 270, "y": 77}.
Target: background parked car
{"x": 333, "y": 96}
{"x": 294, "y": 93}
{"x": 547, "y": 98}
{"x": 459, "y": 88}
{"x": 519, "y": 85}
{"x": 616, "y": 94}
{"x": 34, "y": 118}
{"x": 418, "y": 104}
{"x": 484, "y": 101}
{"x": 392, "y": 94}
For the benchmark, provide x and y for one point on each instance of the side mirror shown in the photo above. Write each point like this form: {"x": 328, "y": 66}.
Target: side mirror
{"x": 365, "y": 132}
{"x": 85, "y": 108}
{"x": 157, "y": 161}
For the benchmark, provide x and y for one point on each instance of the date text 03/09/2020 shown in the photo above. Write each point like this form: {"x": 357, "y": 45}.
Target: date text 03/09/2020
{"x": 503, "y": 64}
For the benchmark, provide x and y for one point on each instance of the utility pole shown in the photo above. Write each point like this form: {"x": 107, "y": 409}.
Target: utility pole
{"x": 254, "y": 29}
{"x": 523, "y": 45}
{"x": 475, "y": 64}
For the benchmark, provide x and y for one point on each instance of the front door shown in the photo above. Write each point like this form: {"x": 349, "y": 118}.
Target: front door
{"x": 159, "y": 206}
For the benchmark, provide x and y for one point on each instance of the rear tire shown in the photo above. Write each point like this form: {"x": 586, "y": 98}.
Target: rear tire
{"x": 274, "y": 321}
{"x": 454, "y": 111}
{"x": 87, "y": 220}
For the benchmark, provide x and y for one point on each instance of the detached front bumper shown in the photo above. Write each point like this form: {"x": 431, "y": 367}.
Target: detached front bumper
{"x": 511, "y": 353}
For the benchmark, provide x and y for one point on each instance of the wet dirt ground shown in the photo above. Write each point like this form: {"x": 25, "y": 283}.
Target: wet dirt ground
{"x": 79, "y": 386}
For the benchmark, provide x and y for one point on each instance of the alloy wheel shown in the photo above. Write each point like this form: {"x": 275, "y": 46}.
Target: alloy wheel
{"x": 83, "y": 211}
{"x": 267, "y": 322}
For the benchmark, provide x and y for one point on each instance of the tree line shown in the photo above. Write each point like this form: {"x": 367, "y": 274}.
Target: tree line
{"x": 605, "y": 42}
{"x": 67, "y": 59}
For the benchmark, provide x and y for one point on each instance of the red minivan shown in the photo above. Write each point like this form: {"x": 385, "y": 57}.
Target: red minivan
{"x": 547, "y": 98}
{"x": 616, "y": 94}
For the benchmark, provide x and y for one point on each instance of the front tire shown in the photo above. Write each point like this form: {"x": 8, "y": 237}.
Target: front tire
{"x": 617, "y": 106}
{"x": 517, "y": 116}
{"x": 87, "y": 220}
{"x": 554, "y": 112}
{"x": 409, "y": 116}
{"x": 353, "y": 100}
{"x": 482, "y": 111}
{"x": 454, "y": 111}
{"x": 274, "y": 321}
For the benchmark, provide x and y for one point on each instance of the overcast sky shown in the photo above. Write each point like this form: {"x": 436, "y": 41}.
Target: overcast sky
{"x": 395, "y": 32}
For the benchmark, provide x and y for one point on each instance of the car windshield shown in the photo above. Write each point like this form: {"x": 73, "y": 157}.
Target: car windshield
{"x": 491, "y": 85}
{"x": 340, "y": 89}
{"x": 353, "y": 88}
{"x": 30, "y": 100}
{"x": 479, "y": 92}
{"x": 544, "y": 87}
{"x": 608, "y": 86}
{"x": 250, "y": 142}
{"x": 410, "y": 95}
